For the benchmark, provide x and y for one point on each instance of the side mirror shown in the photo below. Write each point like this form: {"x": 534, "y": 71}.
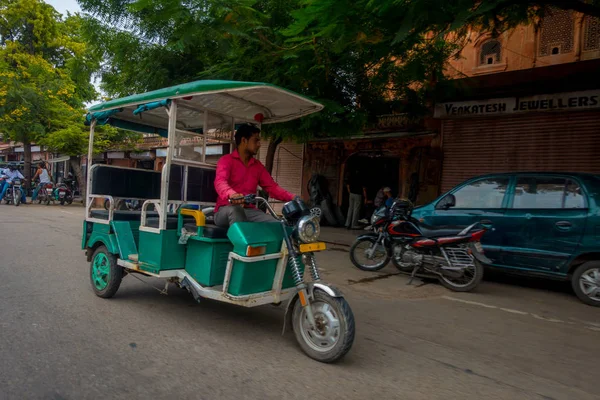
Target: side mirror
{"x": 447, "y": 202}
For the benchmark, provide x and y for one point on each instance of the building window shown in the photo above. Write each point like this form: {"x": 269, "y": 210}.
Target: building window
{"x": 491, "y": 53}
{"x": 557, "y": 34}
{"x": 591, "y": 34}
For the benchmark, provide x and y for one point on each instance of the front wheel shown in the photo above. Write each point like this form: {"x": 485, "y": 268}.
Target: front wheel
{"x": 368, "y": 255}
{"x": 333, "y": 334}
{"x": 105, "y": 274}
{"x": 467, "y": 281}
{"x": 17, "y": 197}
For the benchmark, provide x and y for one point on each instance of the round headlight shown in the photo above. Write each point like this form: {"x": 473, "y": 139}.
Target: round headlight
{"x": 308, "y": 229}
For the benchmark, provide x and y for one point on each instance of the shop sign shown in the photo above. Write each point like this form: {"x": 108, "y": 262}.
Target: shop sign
{"x": 572, "y": 101}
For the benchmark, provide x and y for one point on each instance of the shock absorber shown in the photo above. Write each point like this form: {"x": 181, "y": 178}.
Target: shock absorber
{"x": 312, "y": 264}
{"x": 296, "y": 268}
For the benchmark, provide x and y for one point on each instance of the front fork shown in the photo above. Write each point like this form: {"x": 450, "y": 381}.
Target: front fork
{"x": 370, "y": 252}
{"x": 296, "y": 269}
{"x": 303, "y": 293}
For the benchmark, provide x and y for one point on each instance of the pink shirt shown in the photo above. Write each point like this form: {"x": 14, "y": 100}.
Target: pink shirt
{"x": 235, "y": 177}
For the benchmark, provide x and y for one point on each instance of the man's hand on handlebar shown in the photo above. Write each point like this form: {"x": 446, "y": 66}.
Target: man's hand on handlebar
{"x": 237, "y": 198}
{"x": 241, "y": 199}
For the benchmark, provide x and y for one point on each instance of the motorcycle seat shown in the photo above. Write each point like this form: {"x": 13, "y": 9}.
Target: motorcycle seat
{"x": 439, "y": 231}
{"x": 210, "y": 231}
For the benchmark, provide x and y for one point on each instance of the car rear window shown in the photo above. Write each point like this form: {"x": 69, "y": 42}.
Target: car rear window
{"x": 547, "y": 193}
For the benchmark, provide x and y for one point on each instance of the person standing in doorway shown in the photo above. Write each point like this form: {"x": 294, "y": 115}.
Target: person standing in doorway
{"x": 355, "y": 196}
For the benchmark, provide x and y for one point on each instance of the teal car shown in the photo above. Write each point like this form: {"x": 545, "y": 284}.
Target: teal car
{"x": 543, "y": 224}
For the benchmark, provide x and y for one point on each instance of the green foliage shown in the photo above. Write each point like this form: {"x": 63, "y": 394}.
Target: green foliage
{"x": 361, "y": 58}
{"x": 45, "y": 70}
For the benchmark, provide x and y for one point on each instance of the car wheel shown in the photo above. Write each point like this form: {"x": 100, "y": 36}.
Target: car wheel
{"x": 586, "y": 283}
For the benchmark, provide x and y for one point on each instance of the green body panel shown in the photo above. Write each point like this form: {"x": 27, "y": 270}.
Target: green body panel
{"x": 101, "y": 233}
{"x": 206, "y": 259}
{"x": 160, "y": 251}
{"x": 84, "y": 234}
{"x": 125, "y": 238}
{"x": 255, "y": 277}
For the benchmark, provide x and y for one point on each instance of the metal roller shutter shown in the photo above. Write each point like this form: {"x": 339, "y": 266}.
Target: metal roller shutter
{"x": 287, "y": 165}
{"x": 534, "y": 142}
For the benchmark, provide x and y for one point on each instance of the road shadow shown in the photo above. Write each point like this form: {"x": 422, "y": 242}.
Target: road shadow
{"x": 550, "y": 285}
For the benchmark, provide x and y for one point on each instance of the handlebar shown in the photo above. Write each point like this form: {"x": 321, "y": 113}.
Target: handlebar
{"x": 254, "y": 199}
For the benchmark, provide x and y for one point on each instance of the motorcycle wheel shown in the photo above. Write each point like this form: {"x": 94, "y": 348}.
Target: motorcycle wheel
{"x": 334, "y": 333}
{"x": 17, "y": 197}
{"x": 401, "y": 266}
{"x": 62, "y": 201}
{"x": 360, "y": 259}
{"x": 70, "y": 200}
{"x": 106, "y": 204}
{"x": 469, "y": 281}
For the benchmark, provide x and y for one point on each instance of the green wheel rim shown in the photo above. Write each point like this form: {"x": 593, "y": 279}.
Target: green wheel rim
{"x": 101, "y": 271}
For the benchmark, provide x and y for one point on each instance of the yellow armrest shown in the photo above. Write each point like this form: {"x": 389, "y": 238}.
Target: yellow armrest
{"x": 197, "y": 214}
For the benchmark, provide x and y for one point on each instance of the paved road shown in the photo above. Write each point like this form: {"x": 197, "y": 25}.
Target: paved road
{"x": 59, "y": 341}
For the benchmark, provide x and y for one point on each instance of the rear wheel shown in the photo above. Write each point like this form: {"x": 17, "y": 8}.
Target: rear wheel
{"x": 62, "y": 201}
{"x": 333, "y": 334}
{"x": 465, "y": 282}
{"x": 586, "y": 283}
{"x": 105, "y": 274}
{"x": 367, "y": 255}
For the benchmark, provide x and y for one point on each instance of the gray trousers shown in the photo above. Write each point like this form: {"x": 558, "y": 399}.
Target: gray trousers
{"x": 228, "y": 215}
{"x": 353, "y": 210}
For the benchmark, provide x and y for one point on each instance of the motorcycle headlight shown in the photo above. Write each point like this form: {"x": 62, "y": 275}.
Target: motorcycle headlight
{"x": 308, "y": 229}
{"x": 374, "y": 218}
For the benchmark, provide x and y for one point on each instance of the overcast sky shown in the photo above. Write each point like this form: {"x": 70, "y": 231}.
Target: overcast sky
{"x": 62, "y": 6}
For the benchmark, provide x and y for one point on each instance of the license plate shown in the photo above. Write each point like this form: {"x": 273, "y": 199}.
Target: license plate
{"x": 479, "y": 247}
{"x": 61, "y": 195}
{"x": 310, "y": 247}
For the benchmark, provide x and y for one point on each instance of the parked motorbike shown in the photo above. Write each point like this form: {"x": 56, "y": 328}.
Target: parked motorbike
{"x": 45, "y": 194}
{"x": 63, "y": 194}
{"x": 14, "y": 192}
{"x": 453, "y": 255}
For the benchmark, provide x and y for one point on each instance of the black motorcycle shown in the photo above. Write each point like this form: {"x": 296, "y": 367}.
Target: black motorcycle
{"x": 14, "y": 192}
{"x": 451, "y": 254}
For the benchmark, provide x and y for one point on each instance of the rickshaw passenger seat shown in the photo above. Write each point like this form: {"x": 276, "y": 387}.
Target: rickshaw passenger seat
{"x": 210, "y": 231}
{"x": 171, "y": 222}
{"x": 122, "y": 215}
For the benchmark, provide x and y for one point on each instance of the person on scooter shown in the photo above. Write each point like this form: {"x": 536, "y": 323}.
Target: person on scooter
{"x": 42, "y": 173}
{"x": 3, "y": 177}
{"x": 13, "y": 173}
{"x": 240, "y": 174}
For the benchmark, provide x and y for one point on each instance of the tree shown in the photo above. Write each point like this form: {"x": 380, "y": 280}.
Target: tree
{"x": 440, "y": 18}
{"x": 151, "y": 44}
{"x": 44, "y": 71}
{"x": 72, "y": 140}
